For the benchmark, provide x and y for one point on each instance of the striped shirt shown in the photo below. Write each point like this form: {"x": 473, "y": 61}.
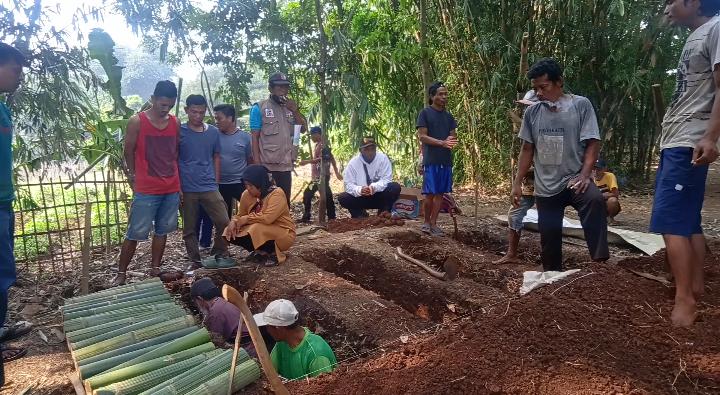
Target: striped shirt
{"x": 689, "y": 112}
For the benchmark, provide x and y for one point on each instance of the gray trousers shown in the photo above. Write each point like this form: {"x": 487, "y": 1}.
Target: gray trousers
{"x": 216, "y": 209}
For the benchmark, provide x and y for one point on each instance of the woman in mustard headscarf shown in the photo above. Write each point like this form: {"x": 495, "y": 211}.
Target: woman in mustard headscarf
{"x": 263, "y": 224}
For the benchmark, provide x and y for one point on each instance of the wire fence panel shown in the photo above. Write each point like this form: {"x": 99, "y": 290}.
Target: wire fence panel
{"x": 49, "y": 219}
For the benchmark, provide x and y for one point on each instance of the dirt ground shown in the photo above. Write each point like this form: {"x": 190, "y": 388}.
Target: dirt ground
{"x": 397, "y": 330}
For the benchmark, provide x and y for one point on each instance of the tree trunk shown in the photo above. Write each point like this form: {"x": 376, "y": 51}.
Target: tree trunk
{"x": 322, "y": 91}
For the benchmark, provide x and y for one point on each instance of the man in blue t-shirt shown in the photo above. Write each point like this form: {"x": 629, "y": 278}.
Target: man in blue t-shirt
{"x": 199, "y": 165}
{"x": 436, "y": 130}
{"x": 11, "y": 74}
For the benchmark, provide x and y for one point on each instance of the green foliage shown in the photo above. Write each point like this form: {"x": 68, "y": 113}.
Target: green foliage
{"x": 102, "y": 48}
{"x": 54, "y": 104}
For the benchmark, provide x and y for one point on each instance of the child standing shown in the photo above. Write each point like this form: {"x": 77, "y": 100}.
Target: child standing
{"x": 328, "y": 159}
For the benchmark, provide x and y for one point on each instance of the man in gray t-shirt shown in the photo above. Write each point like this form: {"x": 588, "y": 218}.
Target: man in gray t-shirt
{"x": 560, "y": 135}
{"x": 688, "y": 144}
{"x": 235, "y": 155}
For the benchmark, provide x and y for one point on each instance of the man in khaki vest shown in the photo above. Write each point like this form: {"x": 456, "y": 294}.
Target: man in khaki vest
{"x": 272, "y": 122}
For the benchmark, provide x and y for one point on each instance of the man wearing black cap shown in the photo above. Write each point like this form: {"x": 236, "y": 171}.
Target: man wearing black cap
{"x": 328, "y": 159}
{"x": 368, "y": 182}
{"x": 607, "y": 183}
{"x": 273, "y": 122}
{"x": 219, "y": 316}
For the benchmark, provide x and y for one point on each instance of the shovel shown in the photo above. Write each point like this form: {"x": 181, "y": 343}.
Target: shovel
{"x": 451, "y": 266}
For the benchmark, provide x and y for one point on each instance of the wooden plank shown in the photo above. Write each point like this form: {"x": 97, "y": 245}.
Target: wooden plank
{"x": 77, "y": 384}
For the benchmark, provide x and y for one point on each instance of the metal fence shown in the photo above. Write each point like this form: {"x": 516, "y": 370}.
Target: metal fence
{"x": 50, "y": 219}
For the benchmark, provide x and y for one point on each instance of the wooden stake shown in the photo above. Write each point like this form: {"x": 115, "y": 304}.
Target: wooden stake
{"x": 233, "y": 296}
{"x": 177, "y": 106}
{"x": 87, "y": 240}
{"x": 236, "y": 349}
{"x": 524, "y": 54}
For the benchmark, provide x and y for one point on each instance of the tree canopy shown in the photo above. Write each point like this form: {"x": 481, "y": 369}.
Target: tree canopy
{"x": 360, "y": 67}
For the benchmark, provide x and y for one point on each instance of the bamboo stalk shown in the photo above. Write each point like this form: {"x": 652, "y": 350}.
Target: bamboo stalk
{"x": 116, "y": 299}
{"x": 107, "y": 360}
{"x": 195, "y": 338}
{"x": 87, "y": 240}
{"x": 88, "y": 323}
{"x": 246, "y": 373}
{"x": 107, "y": 307}
{"x": 147, "y": 380}
{"x": 132, "y": 325}
{"x": 115, "y": 376}
{"x": 233, "y": 296}
{"x": 151, "y": 282}
{"x": 236, "y": 349}
{"x": 116, "y": 323}
{"x": 134, "y": 336}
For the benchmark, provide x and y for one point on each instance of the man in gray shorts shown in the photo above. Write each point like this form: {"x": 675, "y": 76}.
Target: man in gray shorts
{"x": 527, "y": 200}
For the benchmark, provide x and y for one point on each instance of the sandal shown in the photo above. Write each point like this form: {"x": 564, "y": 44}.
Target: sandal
{"x": 271, "y": 260}
{"x": 254, "y": 257}
{"x": 12, "y": 332}
{"x": 119, "y": 279}
{"x": 12, "y": 353}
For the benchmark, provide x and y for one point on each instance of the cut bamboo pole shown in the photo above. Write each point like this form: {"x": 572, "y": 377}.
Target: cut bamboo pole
{"x": 151, "y": 282}
{"x": 134, "y": 336}
{"x": 195, "y": 338}
{"x": 115, "y": 376}
{"x": 233, "y": 296}
{"x": 131, "y": 326}
{"x": 236, "y": 349}
{"x": 87, "y": 240}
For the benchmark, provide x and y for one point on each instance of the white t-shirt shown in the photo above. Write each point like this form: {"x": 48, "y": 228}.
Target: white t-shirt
{"x": 689, "y": 112}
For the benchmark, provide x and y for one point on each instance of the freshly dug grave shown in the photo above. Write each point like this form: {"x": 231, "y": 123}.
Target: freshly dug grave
{"x": 607, "y": 332}
{"x": 350, "y": 224}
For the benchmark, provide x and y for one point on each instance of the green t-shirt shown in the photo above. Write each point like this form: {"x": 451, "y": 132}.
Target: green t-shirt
{"x": 310, "y": 358}
{"x": 7, "y": 193}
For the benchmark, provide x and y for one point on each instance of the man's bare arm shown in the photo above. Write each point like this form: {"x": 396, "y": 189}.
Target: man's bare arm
{"x": 422, "y": 134}
{"x": 130, "y": 144}
{"x": 256, "y": 146}
{"x": 216, "y": 160}
{"x": 706, "y": 150}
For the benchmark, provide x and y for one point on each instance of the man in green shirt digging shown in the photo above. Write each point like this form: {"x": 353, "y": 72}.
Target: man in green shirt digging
{"x": 298, "y": 352}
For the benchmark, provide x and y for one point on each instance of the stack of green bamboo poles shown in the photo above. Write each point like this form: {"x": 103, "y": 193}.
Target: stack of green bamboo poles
{"x": 135, "y": 339}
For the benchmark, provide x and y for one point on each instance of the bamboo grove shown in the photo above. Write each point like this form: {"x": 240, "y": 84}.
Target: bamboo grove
{"x": 360, "y": 67}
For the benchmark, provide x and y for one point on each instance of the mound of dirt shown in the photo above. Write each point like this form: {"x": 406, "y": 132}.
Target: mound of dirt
{"x": 350, "y": 224}
{"x": 607, "y": 332}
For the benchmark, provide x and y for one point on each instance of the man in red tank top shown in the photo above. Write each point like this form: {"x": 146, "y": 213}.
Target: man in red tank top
{"x": 151, "y": 157}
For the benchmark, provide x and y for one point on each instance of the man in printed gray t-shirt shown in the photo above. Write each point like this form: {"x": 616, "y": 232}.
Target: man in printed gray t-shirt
{"x": 235, "y": 155}
{"x": 560, "y": 134}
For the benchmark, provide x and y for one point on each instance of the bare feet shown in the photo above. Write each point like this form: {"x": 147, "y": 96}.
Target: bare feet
{"x": 684, "y": 313}
{"x": 698, "y": 285}
{"x": 507, "y": 259}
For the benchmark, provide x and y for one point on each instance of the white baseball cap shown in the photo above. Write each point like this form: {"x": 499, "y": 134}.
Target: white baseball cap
{"x": 529, "y": 99}
{"x": 280, "y": 312}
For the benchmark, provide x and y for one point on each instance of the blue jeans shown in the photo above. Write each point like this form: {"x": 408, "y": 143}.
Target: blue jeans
{"x": 204, "y": 228}
{"x": 7, "y": 258}
{"x": 149, "y": 210}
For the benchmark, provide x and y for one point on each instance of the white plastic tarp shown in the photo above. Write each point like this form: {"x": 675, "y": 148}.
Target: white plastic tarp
{"x": 533, "y": 279}
{"x": 648, "y": 243}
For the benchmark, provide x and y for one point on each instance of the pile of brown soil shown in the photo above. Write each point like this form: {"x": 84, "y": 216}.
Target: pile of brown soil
{"x": 350, "y": 224}
{"x": 607, "y": 332}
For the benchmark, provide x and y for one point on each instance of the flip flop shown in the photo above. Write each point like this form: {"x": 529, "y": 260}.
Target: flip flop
{"x": 12, "y": 332}
{"x": 12, "y": 353}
